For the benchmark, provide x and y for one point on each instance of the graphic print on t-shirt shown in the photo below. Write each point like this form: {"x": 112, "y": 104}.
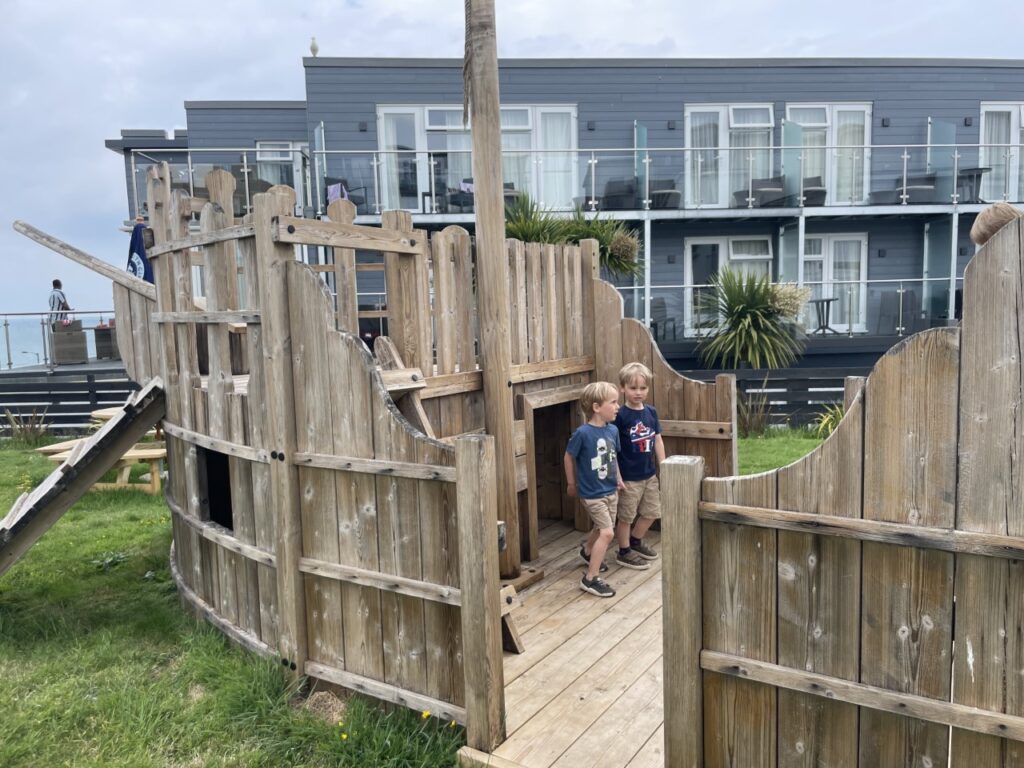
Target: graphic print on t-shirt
{"x": 642, "y": 437}
{"x": 602, "y": 460}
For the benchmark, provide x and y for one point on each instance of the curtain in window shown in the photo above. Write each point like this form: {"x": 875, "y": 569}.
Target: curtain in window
{"x": 750, "y": 257}
{"x": 460, "y": 159}
{"x": 997, "y": 131}
{"x": 846, "y": 264}
{"x": 556, "y": 167}
{"x": 815, "y": 136}
{"x": 390, "y": 162}
{"x": 850, "y": 134}
{"x": 516, "y": 165}
{"x": 748, "y": 164}
{"x": 704, "y": 163}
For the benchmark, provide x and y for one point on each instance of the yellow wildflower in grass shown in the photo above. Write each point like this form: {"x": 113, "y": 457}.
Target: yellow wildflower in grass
{"x": 451, "y": 724}
{"x": 425, "y": 714}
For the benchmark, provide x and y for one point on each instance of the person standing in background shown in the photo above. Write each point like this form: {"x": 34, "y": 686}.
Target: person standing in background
{"x": 59, "y": 306}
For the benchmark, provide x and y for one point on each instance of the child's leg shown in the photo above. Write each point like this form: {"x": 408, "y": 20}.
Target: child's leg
{"x": 626, "y": 510}
{"x": 641, "y": 527}
{"x": 591, "y": 538}
{"x": 598, "y": 550}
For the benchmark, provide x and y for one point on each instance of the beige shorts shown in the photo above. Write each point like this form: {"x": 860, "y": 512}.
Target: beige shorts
{"x": 601, "y": 510}
{"x": 641, "y": 497}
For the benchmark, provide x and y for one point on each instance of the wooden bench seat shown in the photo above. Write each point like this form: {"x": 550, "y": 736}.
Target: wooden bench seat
{"x": 152, "y": 454}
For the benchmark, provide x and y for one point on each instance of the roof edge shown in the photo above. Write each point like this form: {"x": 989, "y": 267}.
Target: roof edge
{"x": 245, "y": 105}
{"x": 328, "y": 61}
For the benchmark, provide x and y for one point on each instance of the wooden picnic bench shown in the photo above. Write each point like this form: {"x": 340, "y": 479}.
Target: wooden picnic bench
{"x": 142, "y": 453}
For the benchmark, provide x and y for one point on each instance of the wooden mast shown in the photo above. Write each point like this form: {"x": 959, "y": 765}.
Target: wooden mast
{"x": 481, "y": 84}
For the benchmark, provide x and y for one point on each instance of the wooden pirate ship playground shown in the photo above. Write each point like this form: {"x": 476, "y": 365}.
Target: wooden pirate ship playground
{"x": 338, "y": 509}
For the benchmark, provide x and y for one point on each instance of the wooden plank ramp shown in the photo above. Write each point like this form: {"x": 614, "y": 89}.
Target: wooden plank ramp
{"x": 587, "y": 690}
{"x": 35, "y": 513}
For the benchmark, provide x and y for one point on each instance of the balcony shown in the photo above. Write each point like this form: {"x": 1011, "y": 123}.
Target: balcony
{"x": 665, "y": 181}
{"x": 840, "y": 315}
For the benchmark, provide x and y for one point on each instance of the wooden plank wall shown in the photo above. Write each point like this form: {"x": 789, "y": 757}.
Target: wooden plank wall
{"x": 929, "y": 443}
{"x": 377, "y": 523}
{"x": 990, "y": 497}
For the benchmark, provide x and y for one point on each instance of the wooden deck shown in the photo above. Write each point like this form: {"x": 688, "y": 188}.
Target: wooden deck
{"x": 588, "y": 689}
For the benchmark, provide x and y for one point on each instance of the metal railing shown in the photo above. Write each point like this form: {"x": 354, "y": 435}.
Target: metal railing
{"x": 616, "y": 179}
{"x": 26, "y": 335}
{"x": 893, "y": 307}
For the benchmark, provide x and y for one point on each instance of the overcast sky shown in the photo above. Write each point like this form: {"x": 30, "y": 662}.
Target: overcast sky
{"x": 75, "y": 73}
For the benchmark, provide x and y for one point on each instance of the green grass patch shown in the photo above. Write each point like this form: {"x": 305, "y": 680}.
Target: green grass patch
{"x": 776, "y": 449}
{"x": 101, "y": 666}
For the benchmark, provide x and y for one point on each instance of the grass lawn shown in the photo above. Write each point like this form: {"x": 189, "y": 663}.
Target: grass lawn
{"x": 757, "y": 454}
{"x": 101, "y": 667}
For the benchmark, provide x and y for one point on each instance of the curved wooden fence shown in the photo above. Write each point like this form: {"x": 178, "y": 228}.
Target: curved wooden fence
{"x": 862, "y": 606}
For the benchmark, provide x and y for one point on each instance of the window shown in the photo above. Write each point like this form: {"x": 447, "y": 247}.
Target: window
{"x": 834, "y": 267}
{"x": 426, "y": 162}
{"x": 730, "y": 148}
{"x": 280, "y": 162}
{"x": 705, "y": 256}
{"x": 1002, "y": 134}
{"x": 836, "y": 142}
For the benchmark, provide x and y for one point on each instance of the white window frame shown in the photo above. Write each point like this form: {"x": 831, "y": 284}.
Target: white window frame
{"x": 826, "y": 258}
{"x": 725, "y": 257}
{"x": 1013, "y": 179}
{"x": 533, "y": 111}
{"x": 282, "y": 151}
{"x": 832, "y": 160}
{"x": 725, "y": 125}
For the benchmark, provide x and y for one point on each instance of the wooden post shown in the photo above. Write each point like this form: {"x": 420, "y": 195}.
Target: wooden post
{"x": 279, "y": 405}
{"x": 492, "y": 265}
{"x": 478, "y": 581}
{"x": 681, "y": 583}
{"x": 725, "y": 404}
{"x": 852, "y": 386}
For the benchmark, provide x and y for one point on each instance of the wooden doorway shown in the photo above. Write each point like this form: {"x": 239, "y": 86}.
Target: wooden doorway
{"x": 550, "y": 417}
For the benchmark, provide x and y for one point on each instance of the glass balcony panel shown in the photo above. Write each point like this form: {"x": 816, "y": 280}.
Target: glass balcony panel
{"x": 617, "y": 184}
{"x": 888, "y": 185}
{"x": 667, "y": 314}
{"x": 752, "y": 175}
{"x": 941, "y": 141}
{"x": 666, "y": 171}
{"x": 351, "y": 176}
{"x": 586, "y": 195}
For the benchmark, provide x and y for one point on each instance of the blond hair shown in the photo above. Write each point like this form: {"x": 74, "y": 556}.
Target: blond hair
{"x": 630, "y": 371}
{"x": 595, "y": 394}
{"x": 991, "y": 220}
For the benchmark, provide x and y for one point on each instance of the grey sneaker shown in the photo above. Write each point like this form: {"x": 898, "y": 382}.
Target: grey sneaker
{"x": 631, "y": 559}
{"x": 596, "y": 586}
{"x": 586, "y": 558}
{"x": 644, "y": 551}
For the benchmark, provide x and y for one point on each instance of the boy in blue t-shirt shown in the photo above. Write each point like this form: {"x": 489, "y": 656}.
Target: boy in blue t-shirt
{"x": 592, "y": 473}
{"x": 642, "y": 451}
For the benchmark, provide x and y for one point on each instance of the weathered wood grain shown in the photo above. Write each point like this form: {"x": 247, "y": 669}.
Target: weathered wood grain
{"x": 910, "y": 427}
{"x": 739, "y": 617}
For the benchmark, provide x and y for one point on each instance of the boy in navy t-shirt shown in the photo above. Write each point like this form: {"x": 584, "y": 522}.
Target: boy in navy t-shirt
{"x": 642, "y": 451}
{"x": 592, "y": 473}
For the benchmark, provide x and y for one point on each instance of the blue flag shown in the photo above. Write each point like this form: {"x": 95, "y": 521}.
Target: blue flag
{"x": 138, "y": 264}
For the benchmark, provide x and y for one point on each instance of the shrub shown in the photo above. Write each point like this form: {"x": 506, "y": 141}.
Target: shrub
{"x": 752, "y": 322}
{"x": 827, "y": 421}
{"x": 618, "y": 245}
{"x": 31, "y": 430}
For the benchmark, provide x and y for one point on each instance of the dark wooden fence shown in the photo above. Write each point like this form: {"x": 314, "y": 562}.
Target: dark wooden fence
{"x": 68, "y": 398}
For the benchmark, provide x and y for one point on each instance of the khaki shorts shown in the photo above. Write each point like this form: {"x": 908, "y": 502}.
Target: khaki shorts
{"x": 641, "y": 497}
{"x": 601, "y": 510}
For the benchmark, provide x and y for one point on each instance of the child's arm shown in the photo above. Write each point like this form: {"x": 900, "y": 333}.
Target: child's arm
{"x": 659, "y": 450}
{"x": 618, "y": 477}
{"x": 570, "y": 473}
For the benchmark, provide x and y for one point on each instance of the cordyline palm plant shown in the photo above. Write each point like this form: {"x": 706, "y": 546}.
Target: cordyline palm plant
{"x": 754, "y": 322}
